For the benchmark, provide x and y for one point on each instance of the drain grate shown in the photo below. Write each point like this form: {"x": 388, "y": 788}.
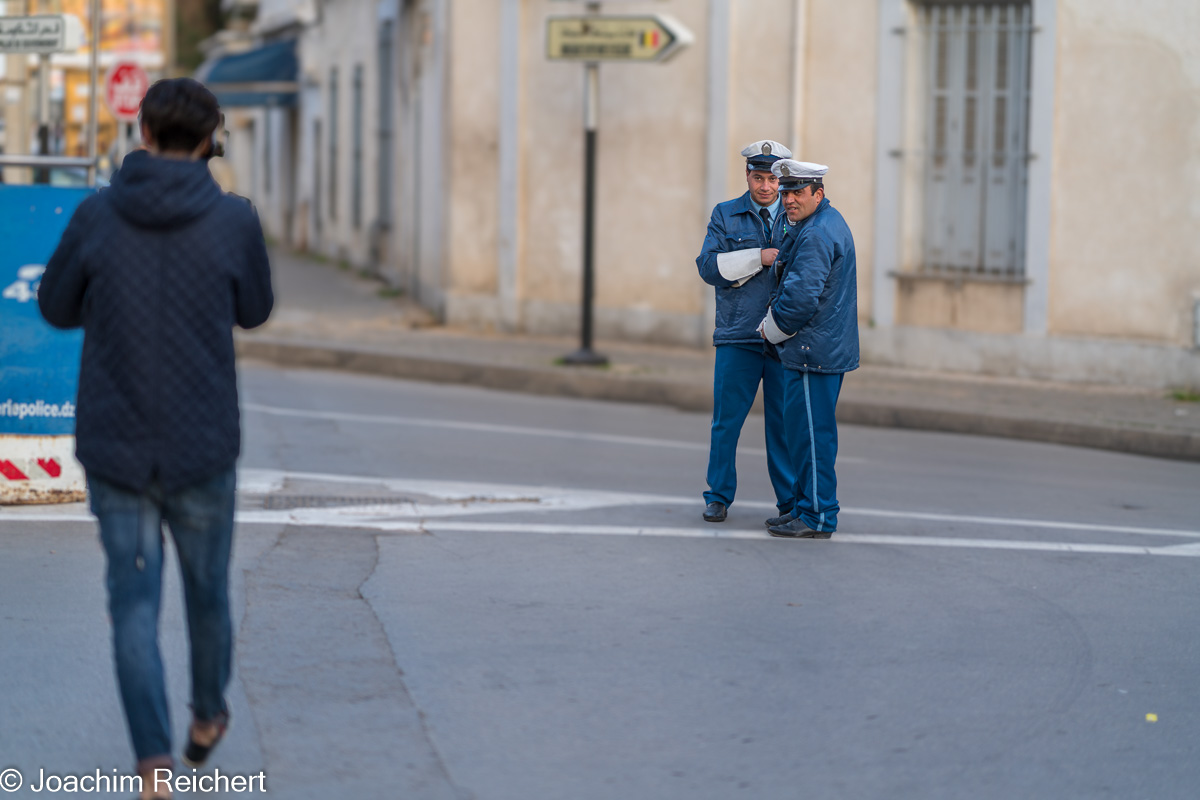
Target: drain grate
{"x": 277, "y": 502}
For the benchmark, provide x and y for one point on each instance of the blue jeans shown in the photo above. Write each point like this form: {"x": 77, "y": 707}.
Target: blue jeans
{"x": 200, "y": 518}
{"x": 737, "y": 374}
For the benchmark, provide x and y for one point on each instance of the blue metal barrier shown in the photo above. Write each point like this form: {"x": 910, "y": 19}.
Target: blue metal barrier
{"x": 39, "y": 366}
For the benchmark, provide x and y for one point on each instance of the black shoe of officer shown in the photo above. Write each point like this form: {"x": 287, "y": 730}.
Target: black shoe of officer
{"x": 715, "y": 512}
{"x": 783, "y": 519}
{"x": 796, "y": 529}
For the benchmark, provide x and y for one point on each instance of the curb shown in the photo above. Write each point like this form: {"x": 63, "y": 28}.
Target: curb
{"x": 570, "y": 382}
{"x": 1148, "y": 442}
{"x": 555, "y": 382}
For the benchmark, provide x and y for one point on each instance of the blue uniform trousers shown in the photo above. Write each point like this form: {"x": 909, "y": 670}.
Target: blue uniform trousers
{"x": 739, "y": 370}
{"x": 811, "y": 398}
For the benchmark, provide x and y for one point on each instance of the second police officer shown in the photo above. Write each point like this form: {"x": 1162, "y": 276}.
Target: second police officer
{"x": 812, "y": 323}
{"x": 744, "y": 235}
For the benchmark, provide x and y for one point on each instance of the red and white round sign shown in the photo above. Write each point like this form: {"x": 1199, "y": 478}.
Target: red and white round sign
{"x": 124, "y": 89}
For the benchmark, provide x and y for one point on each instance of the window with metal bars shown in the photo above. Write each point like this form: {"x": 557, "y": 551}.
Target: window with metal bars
{"x": 976, "y": 95}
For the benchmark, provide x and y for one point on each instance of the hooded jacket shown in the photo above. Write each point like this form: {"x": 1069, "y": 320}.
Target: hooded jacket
{"x": 157, "y": 269}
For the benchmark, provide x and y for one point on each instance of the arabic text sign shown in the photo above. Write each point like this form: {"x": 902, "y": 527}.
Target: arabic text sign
{"x": 595, "y": 38}
{"x": 48, "y": 33}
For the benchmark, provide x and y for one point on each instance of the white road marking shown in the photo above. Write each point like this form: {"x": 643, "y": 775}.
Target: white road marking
{"x": 9, "y": 515}
{"x": 460, "y": 499}
{"x": 1011, "y": 522}
{"x": 515, "y": 430}
{"x": 851, "y": 538}
{"x": 323, "y": 518}
{"x": 556, "y": 498}
{"x": 479, "y": 427}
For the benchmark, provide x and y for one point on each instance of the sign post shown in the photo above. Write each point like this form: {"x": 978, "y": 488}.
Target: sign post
{"x": 585, "y": 355}
{"x": 124, "y": 89}
{"x": 591, "y": 39}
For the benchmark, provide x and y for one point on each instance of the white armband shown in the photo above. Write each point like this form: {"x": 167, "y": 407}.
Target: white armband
{"x": 773, "y": 333}
{"x": 740, "y": 265}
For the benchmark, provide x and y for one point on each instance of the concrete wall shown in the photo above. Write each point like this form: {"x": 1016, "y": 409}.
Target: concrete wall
{"x": 472, "y": 169}
{"x": 761, "y": 39}
{"x": 260, "y": 164}
{"x": 649, "y": 193}
{"x": 651, "y": 204}
{"x": 346, "y": 37}
{"x": 840, "y": 93}
{"x": 1126, "y": 201}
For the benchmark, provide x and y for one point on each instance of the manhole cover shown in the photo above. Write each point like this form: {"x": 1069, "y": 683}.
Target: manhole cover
{"x": 277, "y": 502}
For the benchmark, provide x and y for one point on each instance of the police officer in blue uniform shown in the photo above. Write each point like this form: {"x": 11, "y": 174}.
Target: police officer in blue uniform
{"x": 812, "y": 321}
{"x": 742, "y": 242}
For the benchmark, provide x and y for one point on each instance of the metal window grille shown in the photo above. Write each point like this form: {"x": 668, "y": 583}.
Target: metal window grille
{"x": 384, "y": 183}
{"x": 977, "y": 95}
{"x": 333, "y": 142}
{"x": 356, "y": 164}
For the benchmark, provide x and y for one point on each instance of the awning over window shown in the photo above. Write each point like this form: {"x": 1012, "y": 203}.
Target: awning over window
{"x": 265, "y": 76}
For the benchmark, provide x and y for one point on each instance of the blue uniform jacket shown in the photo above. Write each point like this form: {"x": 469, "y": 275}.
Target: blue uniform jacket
{"x": 817, "y": 295}
{"x": 735, "y": 225}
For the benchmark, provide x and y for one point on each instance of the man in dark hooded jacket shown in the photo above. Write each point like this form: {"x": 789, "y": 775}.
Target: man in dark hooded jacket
{"x": 157, "y": 269}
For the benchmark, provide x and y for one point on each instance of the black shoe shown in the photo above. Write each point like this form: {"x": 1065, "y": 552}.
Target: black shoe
{"x": 796, "y": 529}
{"x": 194, "y": 755}
{"x": 784, "y": 519}
{"x": 715, "y": 512}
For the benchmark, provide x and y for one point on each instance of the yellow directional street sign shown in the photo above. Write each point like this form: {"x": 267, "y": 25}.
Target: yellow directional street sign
{"x": 654, "y": 37}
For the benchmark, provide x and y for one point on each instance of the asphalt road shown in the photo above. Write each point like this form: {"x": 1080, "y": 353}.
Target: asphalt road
{"x": 444, "y": 592}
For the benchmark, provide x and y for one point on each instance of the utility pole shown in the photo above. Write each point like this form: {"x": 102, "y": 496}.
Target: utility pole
{"x": 42, "y": 174}
{"x": 169, "y": 39}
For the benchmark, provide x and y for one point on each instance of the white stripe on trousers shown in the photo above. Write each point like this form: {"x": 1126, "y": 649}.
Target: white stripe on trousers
{"x": 812, "y": 445}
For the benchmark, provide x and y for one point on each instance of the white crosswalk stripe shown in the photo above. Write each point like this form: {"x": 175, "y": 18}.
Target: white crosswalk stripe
{"x": 455, "y": 506}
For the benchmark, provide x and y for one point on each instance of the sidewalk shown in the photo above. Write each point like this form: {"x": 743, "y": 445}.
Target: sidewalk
{"x": 328, "y": 317}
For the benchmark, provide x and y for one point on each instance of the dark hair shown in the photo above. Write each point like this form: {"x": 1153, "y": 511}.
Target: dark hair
{"x": 179, "y": 113}
{"x": 798, "y": 189}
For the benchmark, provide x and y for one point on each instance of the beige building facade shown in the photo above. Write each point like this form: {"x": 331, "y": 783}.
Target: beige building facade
{"x": 1022, "y": 178}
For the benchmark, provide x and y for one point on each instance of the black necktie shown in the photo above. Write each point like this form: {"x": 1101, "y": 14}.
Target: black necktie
{"x": 766, "y": 218}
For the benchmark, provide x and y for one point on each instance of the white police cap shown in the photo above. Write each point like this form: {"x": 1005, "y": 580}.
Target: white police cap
{"x": 763, "y": 153}
{"x": 795, "y": 174}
